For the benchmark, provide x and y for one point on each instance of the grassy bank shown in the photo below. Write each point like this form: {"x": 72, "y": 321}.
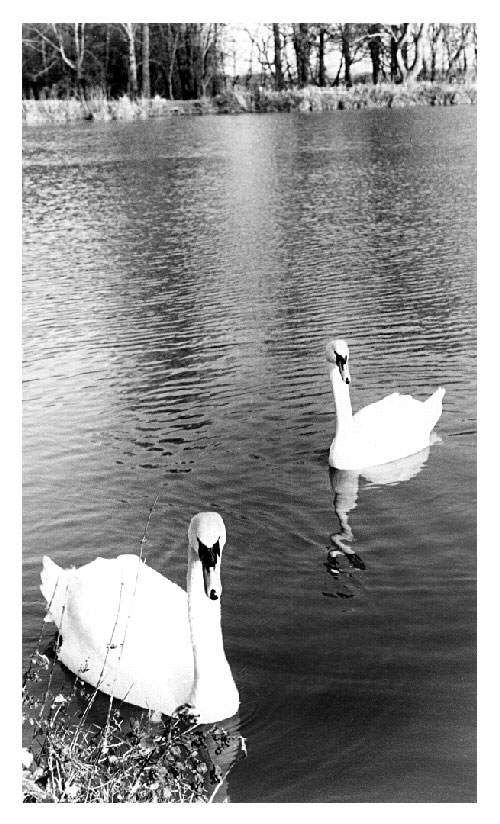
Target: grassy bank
{"x": 360, "y": 96}
{"x": 128, "y": 758}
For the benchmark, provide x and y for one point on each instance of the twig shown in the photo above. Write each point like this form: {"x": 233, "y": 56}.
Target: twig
{"x": 143, "y": 541}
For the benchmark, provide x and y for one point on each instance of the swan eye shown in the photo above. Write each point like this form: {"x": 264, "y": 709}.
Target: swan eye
{"x": 341, "y": 361}
{"x": 209, "y": 554}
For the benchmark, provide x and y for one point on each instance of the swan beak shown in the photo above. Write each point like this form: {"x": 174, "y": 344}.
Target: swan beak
{"x": 344, "y": 373}
{"x": 211, "y": 580}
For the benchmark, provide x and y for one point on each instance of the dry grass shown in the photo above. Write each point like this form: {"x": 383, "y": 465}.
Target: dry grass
{"x": 71, "y": 759}
{"x": 359, "y": 96}
{"x": 101, "y": 108}
{"x": 368, "y": 96}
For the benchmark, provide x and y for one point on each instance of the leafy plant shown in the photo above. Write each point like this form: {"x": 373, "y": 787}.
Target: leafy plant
{"x": 70, "y": 760}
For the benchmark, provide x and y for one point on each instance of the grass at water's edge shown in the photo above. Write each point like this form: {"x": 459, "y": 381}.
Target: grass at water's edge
{"x": 359, "y": 96}
{"x": 71, "y": 759}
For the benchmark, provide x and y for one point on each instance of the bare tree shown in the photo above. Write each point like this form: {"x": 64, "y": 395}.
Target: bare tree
{"x": 129, "y": 29}
{"x": 456, "y": 38}
{"x": 405, "y": 50}
{"x": 412, "y": 51}
{"x": 278, "y": 71}
{"x": 169, "y": 38}
{"x": 302, "y": 46}
{"x": 146, "y": 83}
{"x": 211, "y": 57}
{"x": 60, "y": 40}
{"x": 375, "y": 48}
{"x": 434, "y": 34}
{"x": 353, "y": 40}
{"x": 264, "y": 43}
{"x": 186, "y": 60}
{"x": 345, "y": 33}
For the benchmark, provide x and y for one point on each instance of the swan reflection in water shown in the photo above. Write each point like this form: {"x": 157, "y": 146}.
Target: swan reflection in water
{"x": 345, "y": 487}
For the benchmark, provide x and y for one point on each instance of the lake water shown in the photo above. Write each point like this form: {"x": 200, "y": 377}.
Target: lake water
{"x": 180, "y": 280}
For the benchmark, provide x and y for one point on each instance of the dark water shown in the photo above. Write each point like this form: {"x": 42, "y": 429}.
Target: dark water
{"x": 180, "y": 280}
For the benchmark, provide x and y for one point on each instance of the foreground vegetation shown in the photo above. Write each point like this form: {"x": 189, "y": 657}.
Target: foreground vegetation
{"x": 125, "y": 755}
{"x": 71, "y": 759}
{"x": 359, "y": 96}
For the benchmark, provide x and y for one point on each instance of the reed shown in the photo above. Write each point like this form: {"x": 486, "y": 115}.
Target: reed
{"x": 360, "y": 96}
{"x": 367, "y": 96}
{"x": 70, "y": 759}
{"x": 101, "y": 108}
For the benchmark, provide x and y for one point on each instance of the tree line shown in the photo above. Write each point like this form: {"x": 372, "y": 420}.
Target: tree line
{"x": 190, "y": 61}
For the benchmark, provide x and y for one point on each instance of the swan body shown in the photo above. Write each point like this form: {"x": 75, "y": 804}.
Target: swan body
{"x": 135, "y": 635}
{"x": 384, "y": 431}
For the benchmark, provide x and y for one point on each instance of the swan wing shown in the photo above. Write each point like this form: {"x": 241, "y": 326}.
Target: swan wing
{"x": 387, "y": 408}
{"x": 401, "y": 411}
{"x": 125, "y": 629}
{"x": 389, "y": 429}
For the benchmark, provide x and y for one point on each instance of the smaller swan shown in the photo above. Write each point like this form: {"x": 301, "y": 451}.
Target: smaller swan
{"x": 385, "y": 431}
{"x": 135, "y": 635}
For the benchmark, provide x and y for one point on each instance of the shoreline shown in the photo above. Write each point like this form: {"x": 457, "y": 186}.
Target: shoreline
{"x": 243, "y": 101}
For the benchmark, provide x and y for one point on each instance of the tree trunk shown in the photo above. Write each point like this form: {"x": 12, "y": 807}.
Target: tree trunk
{"x": 399, "y": 39}
{"x": 375, "y": 47}
{"x": 321, "y": 58}
{"x": 434, "y": 33}
{"x": 132, "y": 61}
{"x": 302, "y": 46}
{"x": 190, "y": 71}
{"x": 78, "y": 57}
{"x": 394, "y": 55}
{"x": 214, "y": 62}
{"x": 172, "y": 63}
{"x": 106, "y": 64}
{"x": 146, "y": 85}
{"x": 413, "y": 66}
{"x": 346, "y": 52}
{"x": 278, "y": 71}
{"x": 336, "y": 82}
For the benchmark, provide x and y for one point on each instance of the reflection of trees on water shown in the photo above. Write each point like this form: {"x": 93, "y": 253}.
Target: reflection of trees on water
{"x": 345, "y": 487}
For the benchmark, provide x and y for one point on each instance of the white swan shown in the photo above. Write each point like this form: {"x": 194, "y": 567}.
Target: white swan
{"x": 385, "y": 431}
{"x": 137, "y": 636}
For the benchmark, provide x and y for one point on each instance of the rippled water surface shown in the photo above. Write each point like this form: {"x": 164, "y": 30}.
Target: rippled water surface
{"x": 180, "y": 280}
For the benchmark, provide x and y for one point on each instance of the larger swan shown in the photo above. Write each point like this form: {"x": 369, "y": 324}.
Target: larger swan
{"x": 385, "y": 431}
{"x": 137, "y": 636}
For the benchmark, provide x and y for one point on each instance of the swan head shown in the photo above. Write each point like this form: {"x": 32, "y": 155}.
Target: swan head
{"x": 337, "y": 353}
{"x": 207, "y": 537}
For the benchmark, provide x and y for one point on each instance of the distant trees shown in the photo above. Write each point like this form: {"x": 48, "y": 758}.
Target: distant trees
{"x": 303, "y": 38}
{"x": 192, "y": 60}
{"x": 146, "y": 85}
{"x": 56, "y": 48}
{"x": 278, "y": 71}
{"x": 129, "y": 29}
{"x": 325, "y": 53}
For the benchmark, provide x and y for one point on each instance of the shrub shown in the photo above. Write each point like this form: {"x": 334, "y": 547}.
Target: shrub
{"x": 72, "y": 760}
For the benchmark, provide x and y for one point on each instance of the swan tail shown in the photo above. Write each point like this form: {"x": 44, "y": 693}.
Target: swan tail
{"x": 53, "y": 588}
{"x": 435, "y": 406}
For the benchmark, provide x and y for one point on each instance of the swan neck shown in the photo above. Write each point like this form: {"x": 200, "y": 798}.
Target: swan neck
{"x": 205, "y": 625}
{"x": 342, "y": 399}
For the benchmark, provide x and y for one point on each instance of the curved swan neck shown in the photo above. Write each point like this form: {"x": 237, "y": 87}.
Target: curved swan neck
{"x": 342, "y": 399}
{"x": 213, "y": 693}
{"x": 205, "y": 624}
